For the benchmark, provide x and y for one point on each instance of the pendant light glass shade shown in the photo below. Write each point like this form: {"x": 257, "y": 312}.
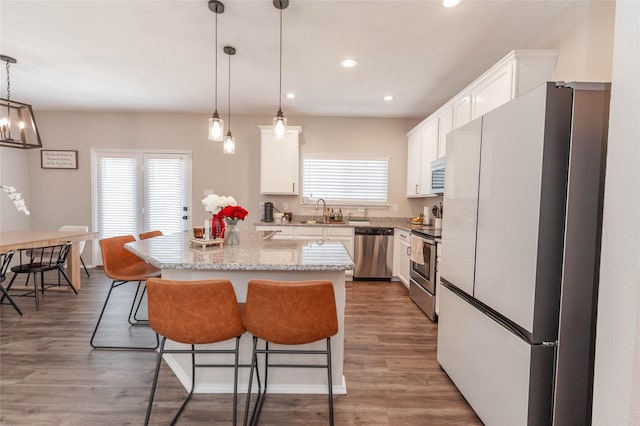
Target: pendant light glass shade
{"x": 280, "y": 121}
{"x": 229, "y": 144}
{"x": 216, "y": 127}
{"x": 279, "y": 126}
{"x": 216, "y": 124}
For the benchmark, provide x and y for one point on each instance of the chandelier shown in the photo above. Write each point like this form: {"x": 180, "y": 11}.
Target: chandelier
{"x": 17, "y": 123}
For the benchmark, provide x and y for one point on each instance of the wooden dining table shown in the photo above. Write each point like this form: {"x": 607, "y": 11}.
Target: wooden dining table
{"x": 17, "y": 240}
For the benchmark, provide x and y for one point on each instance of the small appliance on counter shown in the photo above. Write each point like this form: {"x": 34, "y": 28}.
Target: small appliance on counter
{"x": 268, "y": 211}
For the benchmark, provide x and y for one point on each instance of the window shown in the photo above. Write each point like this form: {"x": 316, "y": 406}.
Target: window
{"x": 138, "y": 191}
{"x": 345, "y": 181}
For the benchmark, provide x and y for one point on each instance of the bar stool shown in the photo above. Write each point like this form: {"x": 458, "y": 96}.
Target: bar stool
{"x": 122, "y": 267}
{"x": 194, "y": 313}
{"x": 150, "y": 234}
{"x": 6, "y": 259}
{"x": 289, "y": 313}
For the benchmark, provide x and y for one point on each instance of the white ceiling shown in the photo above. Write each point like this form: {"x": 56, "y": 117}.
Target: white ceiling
{"x": 155, "y": 55}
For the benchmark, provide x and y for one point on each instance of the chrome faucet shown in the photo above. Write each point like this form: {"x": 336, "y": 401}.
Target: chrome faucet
{"x": 324, "y": 209}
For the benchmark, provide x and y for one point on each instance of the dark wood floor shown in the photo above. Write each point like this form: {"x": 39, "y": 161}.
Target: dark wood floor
{"x": 49, "y": 375}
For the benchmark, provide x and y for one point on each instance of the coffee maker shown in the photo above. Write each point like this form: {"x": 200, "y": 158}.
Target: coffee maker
{"x": 268, "y": 211}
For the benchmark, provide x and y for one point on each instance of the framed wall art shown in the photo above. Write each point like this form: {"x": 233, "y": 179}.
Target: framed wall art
{"x": 60, "y": 159}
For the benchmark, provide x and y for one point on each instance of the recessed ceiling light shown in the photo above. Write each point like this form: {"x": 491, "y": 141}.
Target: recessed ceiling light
{"x": 388, "y": 98}
{"x": 290, "y": 95}
{"x": 450, "y": 3}
{"x": 348, "y": 63}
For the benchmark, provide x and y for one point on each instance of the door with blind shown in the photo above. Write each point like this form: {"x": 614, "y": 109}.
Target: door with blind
{"x": 139, "y": 191}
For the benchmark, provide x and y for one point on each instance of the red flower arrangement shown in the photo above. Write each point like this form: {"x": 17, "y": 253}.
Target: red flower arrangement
{"x": 232, "y": 212}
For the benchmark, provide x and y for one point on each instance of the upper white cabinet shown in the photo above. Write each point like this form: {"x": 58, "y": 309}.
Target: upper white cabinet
{"x": 495, "y": 90}
{"x": 517, "y": 73}
{"x": 413, "y": 164}
{"x": 445, "y": 125}
{"x": 279, "y": 162}
{"x": 422, "y": 150}
{"x": 461, "y": 111}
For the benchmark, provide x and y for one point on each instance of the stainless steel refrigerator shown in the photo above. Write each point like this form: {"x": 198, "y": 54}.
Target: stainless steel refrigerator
{"x": 521, "y": 247}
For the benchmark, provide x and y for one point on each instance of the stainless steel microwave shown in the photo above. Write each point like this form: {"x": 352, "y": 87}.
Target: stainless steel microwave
{"x": 437, "y": 176}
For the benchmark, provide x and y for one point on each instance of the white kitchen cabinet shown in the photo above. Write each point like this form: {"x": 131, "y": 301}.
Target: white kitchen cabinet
{"x": 445, "y": 125}
{"x": 493, "y": 91}
{"x": 413, "y": 164}
{"x": 279, "y": 162}
{"x": 421, "y": 151}
{"x": 344, "y": 234}
{"x": 279, "y": 232}
{"x": 461, "y": 111}
{"x": 402, "y": 255}
{"x": 515, "y": 74}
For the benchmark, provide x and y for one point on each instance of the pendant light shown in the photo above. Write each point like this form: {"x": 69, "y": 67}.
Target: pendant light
{"x": 216, "y": 124}
{"x": 229, "y": 143}
{"x": 17, "y": 123}
{"x": 280, "y": 121}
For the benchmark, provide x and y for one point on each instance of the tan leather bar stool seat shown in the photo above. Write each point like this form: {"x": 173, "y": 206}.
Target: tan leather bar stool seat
{"x": 122, "y": 267}
{"x": 150, "y": 234}
{"x": 289, "y": 313}
{"x": 194, "y": 313}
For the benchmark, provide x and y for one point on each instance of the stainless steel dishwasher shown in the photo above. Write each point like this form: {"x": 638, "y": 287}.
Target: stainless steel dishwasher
{"x": 373, "y": 253}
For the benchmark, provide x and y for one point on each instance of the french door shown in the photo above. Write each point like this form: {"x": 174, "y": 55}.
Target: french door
{"x": 136, "y": 191}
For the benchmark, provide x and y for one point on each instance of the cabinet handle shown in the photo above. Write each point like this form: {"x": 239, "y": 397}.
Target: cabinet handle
{"x": 293, "y": 187}
{"x": 409, "y": 251}
{"x": 416, "y": 188}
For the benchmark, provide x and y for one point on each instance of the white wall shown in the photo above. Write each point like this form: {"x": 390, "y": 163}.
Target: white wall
{"x": 64, "y": 196}
{"x": 15, "y": 171}
{"x": 617, "y": 366}
{"x": 584, "y": 36}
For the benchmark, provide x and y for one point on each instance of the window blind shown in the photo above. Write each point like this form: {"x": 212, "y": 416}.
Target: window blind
{"x": 346, "y": 181}
{"x": 117, "y": 201}
{"x": 164, "y": 193}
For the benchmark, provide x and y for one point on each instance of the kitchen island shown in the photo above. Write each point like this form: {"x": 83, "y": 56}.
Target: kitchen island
{"x": 254, "y": 258}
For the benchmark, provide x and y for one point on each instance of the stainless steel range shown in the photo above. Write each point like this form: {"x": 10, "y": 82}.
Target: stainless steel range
{"x": 422, "y": 288}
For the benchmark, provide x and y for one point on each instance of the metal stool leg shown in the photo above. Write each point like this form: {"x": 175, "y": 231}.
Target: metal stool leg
{"x": 155, "y": 382}
{"x": 115, "y": 284}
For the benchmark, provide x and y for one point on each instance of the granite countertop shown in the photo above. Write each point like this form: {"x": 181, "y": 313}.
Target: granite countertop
{"x": 374, "y": 222}
{"x": 252, "y": 254}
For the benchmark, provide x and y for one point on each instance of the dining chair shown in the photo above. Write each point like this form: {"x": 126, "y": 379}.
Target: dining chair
{"x": 6, "y": 260}
{"x": 123, "y": 267}
{"x": 194, "y": 313}
{"x": 78, "y": 228}
{"x": 150, "y": 234}
{"x": 289, "y": 313}
{"x": 38, "y": 261}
